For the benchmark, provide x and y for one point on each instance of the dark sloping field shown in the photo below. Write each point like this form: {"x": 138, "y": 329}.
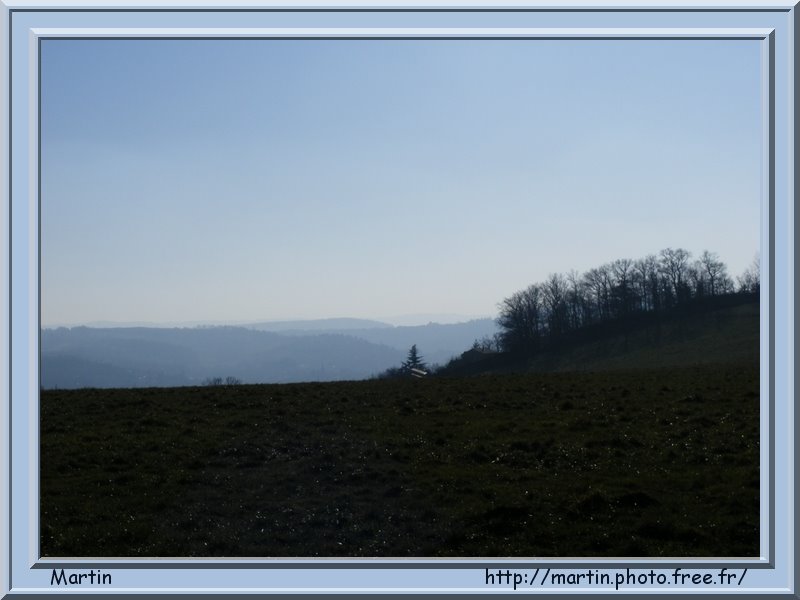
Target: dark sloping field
{"x": 721, "y": 330}
{"x": 658, "y": 462}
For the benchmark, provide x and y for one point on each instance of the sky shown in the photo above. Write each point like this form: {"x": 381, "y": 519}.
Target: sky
{"x": 236, "y": 180}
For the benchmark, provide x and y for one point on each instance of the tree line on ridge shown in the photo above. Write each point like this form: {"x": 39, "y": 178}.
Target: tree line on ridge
{"x": 563, "y": 303}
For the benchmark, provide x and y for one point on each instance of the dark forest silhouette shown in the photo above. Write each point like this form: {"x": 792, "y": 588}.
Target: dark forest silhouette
{"x": 546, "y": 312}
{"x": 616, "y": 297}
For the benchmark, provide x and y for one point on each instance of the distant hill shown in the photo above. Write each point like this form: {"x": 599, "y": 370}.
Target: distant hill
{"x": 65, "y": 371}
{"x": 137, "y": 357}
{"x": 437, "y": 342}
{"x": 318, "y": 325}
{"x": 721, "y": 332}
{"x": 324, "y": 350}
{"x": 411, "y": 320}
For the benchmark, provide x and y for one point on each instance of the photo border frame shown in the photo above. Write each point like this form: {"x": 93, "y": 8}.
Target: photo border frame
{"x": 25, "y": 23}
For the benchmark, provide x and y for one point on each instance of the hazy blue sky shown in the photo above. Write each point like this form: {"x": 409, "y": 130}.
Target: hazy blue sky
{"x": 236, "y": 180}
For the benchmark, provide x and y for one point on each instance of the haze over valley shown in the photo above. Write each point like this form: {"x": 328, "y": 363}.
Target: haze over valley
{"x": 266, "y": 352}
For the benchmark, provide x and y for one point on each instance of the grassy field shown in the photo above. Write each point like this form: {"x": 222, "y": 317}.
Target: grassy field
{"x": 657, "y": 462}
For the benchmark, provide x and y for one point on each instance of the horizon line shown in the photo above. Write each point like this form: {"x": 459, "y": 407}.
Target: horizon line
{"x": 421, "y": 318}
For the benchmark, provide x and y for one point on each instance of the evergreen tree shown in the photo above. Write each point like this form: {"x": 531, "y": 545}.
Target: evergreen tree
{"x": 414, "y": 360}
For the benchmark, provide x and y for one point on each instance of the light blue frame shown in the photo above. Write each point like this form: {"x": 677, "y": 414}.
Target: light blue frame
{"x": 23, "y": 23}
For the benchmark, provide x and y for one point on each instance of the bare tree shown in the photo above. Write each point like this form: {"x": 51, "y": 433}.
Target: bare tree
{"x": 673, "y": 265}
{"x": 622, "y": 285}
{"x": 750, "y": 280}
{"x": 555, "y": 299}
{"x": 521, "y": 317}
{"x": 488, "y": 343}
{"x": 575, "y": 299}
{"x": 697, "y": 280}
{"x": 598, "y": 282}
{"x": 215, "y": 381}
{"x": 512, "y": 321}
{"x": 538, "y": 315}
{"x": 714, "y": 271}
{"x": 533, "y": 313}
{"x": 646, "y": 281}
